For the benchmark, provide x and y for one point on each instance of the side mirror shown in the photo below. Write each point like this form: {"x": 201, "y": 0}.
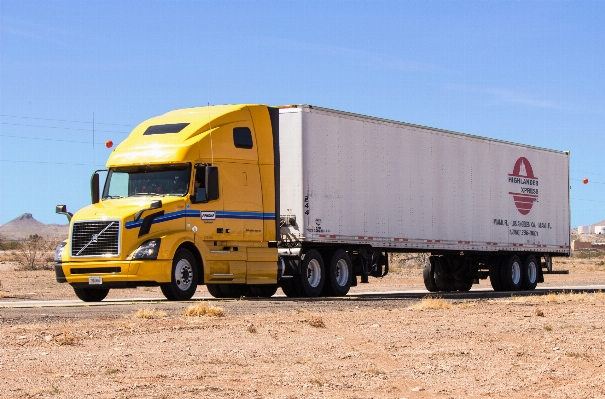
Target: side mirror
{"x": 94, "y": 188}
{"x": 62, "y": 210}
{"x": 212, "y": 190}
{"x": 154, "y": 205}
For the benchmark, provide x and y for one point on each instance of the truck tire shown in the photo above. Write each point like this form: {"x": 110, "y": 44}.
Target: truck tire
{"x": 263, "y": 290}
{"x": 443, "y": 279}
{"x": 91, "y": 294}
{"x": 511, "y": 273}
{"x": 339, "y": 275}
{"x": 183, "y": 281}
{"x": 529, "y": 279}
{"x": 464, "y": 285}
{"x": 313, "y": 276}
{"x": 233, "y": 290}
{"x": 215, "y": 290}
{"x": 494, "y": 273}
{"x": 292, "y": 287}
{"x": 429, "y": 274}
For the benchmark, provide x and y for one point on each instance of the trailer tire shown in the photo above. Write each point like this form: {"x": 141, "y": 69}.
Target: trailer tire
{"x": 184, "y": 277}
{"x": 263, "y": 290}
{"x": 464, "y": 285}
{"x": 428, "y": 273}
{"x": 215, "y": 290}
{"x": 511, "y": 273}
{"x": 338, "y": 275}
{"x": 313, "y": 276}
{"x": 91, "y": 294}
{"x": 529, "y": 280}
{"x": 443, "y": 278}
{"x": 494, "y": 273}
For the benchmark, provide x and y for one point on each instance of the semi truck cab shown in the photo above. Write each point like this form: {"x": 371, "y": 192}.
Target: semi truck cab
{"x": 189, "y": 199}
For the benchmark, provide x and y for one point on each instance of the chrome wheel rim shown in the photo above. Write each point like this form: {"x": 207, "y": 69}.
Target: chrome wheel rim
{"x": 183, "y": 274}
{"x": 516, "y": 273}
{"x": 342, "y": 272}
{"x": 532, "y": 272}
{"x": 314, "y": 273}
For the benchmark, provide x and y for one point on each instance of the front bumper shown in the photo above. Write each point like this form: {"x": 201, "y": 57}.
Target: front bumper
{"x": 115, "y": 273}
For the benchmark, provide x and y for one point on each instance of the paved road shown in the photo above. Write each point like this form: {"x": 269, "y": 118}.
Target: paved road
{"x": 482, "y": 293}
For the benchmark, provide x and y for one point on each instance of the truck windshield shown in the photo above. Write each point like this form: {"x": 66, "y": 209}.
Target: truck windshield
{"x": 157, "y": 180}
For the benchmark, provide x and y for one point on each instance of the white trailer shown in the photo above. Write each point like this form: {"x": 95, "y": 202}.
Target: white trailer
{"x": 368, "y": 186}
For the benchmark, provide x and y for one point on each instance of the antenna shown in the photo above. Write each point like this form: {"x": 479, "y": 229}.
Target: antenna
{"x": 93, "y": 142}
{"x": 210, "y": 127}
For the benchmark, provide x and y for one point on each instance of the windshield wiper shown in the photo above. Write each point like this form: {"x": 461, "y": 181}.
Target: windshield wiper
{"x": 113, "y": 197}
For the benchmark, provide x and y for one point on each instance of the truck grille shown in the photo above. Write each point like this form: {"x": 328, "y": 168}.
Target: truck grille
{"x": 96, "y": 239}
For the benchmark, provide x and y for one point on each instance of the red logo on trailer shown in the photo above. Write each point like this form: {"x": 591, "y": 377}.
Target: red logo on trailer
{"x": 525, "y": 186}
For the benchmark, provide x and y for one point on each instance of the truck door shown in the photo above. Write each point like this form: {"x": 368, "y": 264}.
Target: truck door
{"x": 222, "y": 263}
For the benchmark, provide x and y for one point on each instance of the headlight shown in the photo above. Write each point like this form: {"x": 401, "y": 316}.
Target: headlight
{"x": 148, "y": 250}
{"x": 59, "y": 251}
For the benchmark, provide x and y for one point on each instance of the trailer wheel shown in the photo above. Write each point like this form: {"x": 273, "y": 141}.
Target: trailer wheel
{"x": 313, "y": 274}
{"x": 339, "y": 274}
{"x": 511, "y": 273}
{"x": 464, "y": 285}
{"x": 184, "y": 277}
{"x": 529, "y": 279}
{"x": 429, "y": 275}
{"x": 215, "y": 290}
{"x": 443, "y": 279}
{"x": 494, "y": 273}
{"x": 91, "y": 294}
{"x": 263, "y": 290}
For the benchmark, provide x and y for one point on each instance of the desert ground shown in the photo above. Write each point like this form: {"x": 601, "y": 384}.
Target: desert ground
{"x": 515, "y": 345}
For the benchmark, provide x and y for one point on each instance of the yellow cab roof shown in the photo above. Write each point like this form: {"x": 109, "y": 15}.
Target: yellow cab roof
{"x": 140, "y": 148}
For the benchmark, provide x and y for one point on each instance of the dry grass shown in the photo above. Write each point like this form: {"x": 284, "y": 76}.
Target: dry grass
{"x": 201, "y": 309}
{"x": 251, "y": 328}
{"x": 432, "y": 303}
{"x": 66, "y": 337}
{"x": 539, "y": 312}
{"x": 561, "y": 297}
{"x": 466, "y": 304}
{"x": 317, "y": 322}
{"x": 148, "y": 313}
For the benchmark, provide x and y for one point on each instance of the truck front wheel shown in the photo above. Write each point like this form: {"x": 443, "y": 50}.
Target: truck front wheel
{"x": 91, "y": 294}
{"x": 183, "y": 282}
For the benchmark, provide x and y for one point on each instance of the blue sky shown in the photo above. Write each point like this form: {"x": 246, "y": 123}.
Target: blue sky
{"x": 521, "y": 71}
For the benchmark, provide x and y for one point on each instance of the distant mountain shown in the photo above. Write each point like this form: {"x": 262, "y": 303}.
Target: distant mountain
{"x": 25, "y": 225}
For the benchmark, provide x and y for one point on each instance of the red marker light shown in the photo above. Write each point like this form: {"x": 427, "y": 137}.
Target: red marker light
{"x": 109, "y": 144}
{"x": 585, "y": 181}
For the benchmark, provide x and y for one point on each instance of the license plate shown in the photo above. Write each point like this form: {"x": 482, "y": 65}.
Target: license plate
{"x": 92, "y": 280}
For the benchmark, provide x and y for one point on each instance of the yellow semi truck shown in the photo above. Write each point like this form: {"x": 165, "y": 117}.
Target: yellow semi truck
{"x": 249, "y": 198}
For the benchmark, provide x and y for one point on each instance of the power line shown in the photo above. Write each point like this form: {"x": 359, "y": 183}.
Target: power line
{"x": 46, "y": 139}
{"x": 63, "y": 120}
{"x": 46, "y": 163}
{"x": 61, "y": 128}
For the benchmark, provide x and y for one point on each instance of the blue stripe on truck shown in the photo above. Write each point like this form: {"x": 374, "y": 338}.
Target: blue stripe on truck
{"x": 197, "y": 214}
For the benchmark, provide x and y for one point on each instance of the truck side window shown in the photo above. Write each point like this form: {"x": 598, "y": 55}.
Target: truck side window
{"x": 242, "y": 137}
{"x": 199, "y": 185}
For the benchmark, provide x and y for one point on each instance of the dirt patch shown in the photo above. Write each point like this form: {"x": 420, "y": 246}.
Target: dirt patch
{"x": 548, "y": 346}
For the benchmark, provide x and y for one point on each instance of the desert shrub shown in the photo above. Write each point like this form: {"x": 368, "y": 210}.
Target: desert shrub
{"x": 149, "y": 313}
{"x": 400, "y": 262}
{"x": 35, "y": 253}
{"x": 201, "y": 309}
{"x": 432, "y": 303}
